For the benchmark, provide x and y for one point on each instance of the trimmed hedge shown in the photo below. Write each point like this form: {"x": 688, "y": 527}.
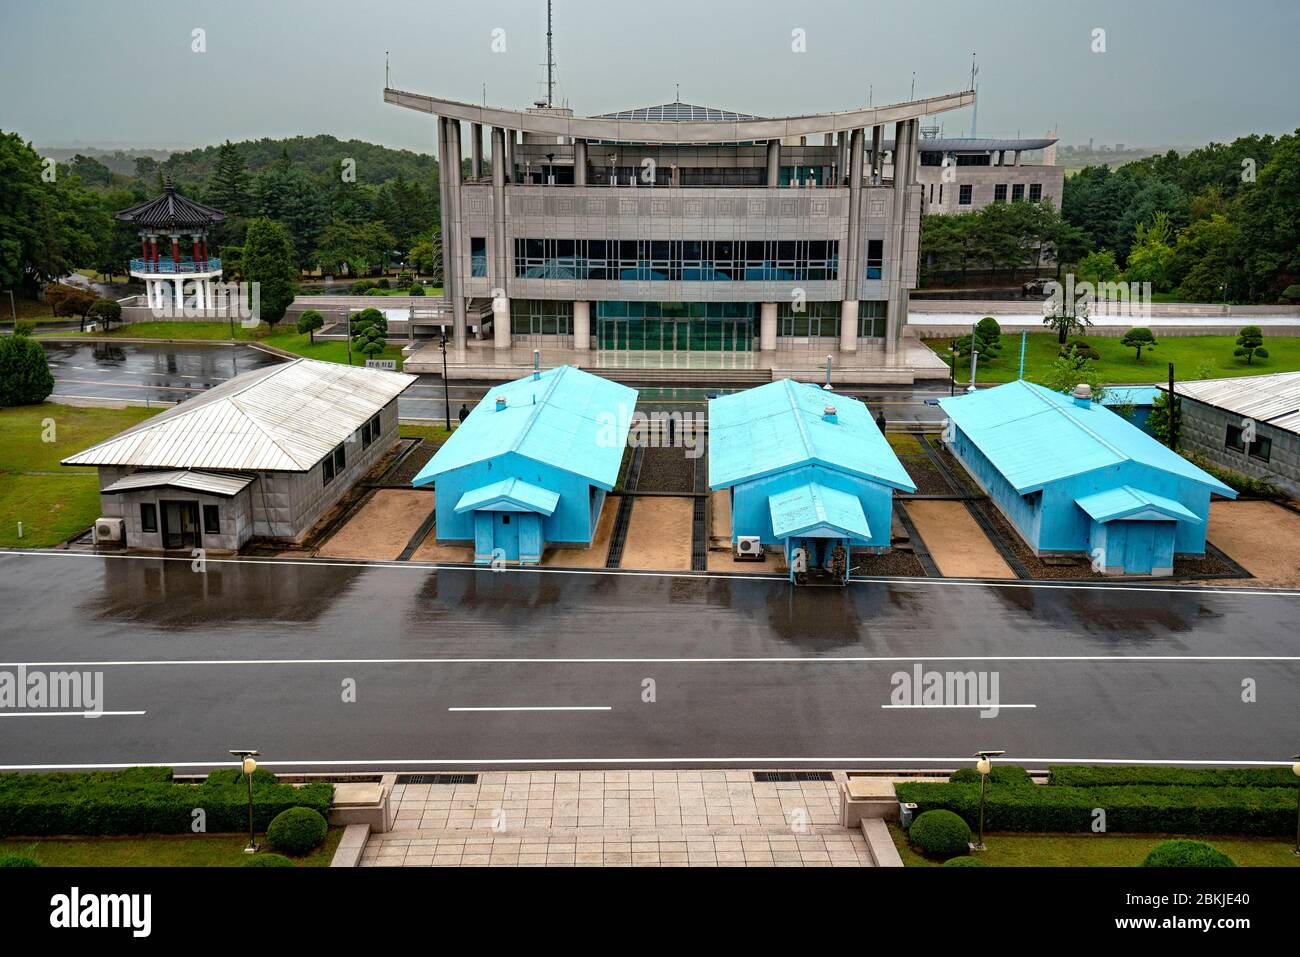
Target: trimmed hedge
{"x": 1186, "y": 854}
{"x": 18, "y": 860}
{"x": 966, "y": 861}
{"x": 146, "y": 801}
{"x": 268, "y": 860}
{"x": 940, "y": 833}
{"x": 1010, "y": 775}
{"x": 297, "y": 831}
{"x": 1079, "y": 776}
{"x": 1135, "y": 809}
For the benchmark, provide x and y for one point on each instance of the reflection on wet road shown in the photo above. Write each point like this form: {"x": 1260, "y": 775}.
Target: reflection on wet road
{"x": 745, "y": 671}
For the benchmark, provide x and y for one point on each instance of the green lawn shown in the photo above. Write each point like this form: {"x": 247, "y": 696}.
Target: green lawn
{"x": 167, "y": 850}
{"x": 1109, "y": 850}
{"x": 432, "y": 434}
{"x": 281, "y": 336}
{"x": 52, "y": 502}
{"x": 1119, "y": 364}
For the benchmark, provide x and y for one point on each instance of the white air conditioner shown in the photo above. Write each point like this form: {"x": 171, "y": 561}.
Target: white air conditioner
{"x": 109, "y": 530}
{"x": 749, "y": 548}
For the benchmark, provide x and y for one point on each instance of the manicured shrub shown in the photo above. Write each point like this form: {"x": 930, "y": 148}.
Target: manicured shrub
{"x": 1186, "y": 854}
{"x": 1133, "y": 809}
{"x": 1085, "y": 776}
{"x": 374, "y": 292}
{"x": 940, "y": 833}
{"x": 25, "y": 377}
{"x": 362, "y": 286}
{"x": 404, "y": 278}
{"x": 107, "y": 311}
{"x": 146, "y": 801}
{"x": 415, "y": 290}
{"x": 964, "y": 861}
{"x": 268, "y": 860}
{"x": 297, "y": 831}
{"x": 383, "y": 283}
{"x": 1005, "y": 775}
{"x": 309, "y": 322}
{"x": 18, "y": 860}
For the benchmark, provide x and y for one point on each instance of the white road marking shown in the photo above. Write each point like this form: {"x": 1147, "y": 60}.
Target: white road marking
{"x": 751, "y": 660}
{"x": 65, "y": 714}
{"x": 614, "y": 572}
{"x": 523, "y": 708}
{"x": 755, "y": 761}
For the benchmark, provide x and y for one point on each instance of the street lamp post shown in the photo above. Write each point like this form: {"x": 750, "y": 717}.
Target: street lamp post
{"x": 983, "y": 765}
{"x": 446, "y": 390}
{"x": 248, "y": 764}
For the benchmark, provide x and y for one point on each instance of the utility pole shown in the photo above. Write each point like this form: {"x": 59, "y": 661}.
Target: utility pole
{"x": 1173, "y": 430}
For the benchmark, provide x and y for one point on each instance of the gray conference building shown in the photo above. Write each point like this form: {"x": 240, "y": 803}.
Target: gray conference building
{"x": 680, "y": 230}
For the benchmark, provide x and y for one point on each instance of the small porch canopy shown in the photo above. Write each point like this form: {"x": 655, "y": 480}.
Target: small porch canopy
{"x": 1134, "y": 505}
{"x": 509, "y": 495}
{"x": 191, "y": 480}
{"x": 812, "y": 510}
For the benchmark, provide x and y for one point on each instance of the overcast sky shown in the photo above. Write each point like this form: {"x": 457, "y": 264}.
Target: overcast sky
{"x": 113, "y": 73}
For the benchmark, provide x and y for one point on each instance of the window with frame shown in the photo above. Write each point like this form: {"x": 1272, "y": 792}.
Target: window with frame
{"x": 875, "y": 267}
{"x": 1017, "y": 192}
{"x": 964, "y": 195}
{"x": 1035, "y": 192}
{"x": 1000, "y": 193}
{"x": 211, "y": 520}
{"x": 871, "y": 318}
{"x": 148, "y": 517}
{"x": 333, "y": 464}
{"x": 1235, "y": 440}
{"x": 478, "y": 257}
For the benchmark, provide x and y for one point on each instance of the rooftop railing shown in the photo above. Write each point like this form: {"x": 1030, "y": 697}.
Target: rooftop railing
{"x": 166, "y": 266}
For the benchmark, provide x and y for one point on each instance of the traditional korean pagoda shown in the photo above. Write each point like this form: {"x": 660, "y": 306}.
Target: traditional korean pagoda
{"x": 172, "y": 218}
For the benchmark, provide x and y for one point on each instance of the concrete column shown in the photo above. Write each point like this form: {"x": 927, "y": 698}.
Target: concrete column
{"x": 582, "y": 326}
{"x": 773, "y": 163}
{"x": 767, "y": 327}
{"x": 476, "y": 151}
{"x": 877, "y": 153}
{"x": 849, "y": 325}
{"x": 849, "y": 261}
{"x": 501, "y": 322}
{"x": 458, "y": 304}
{"x": 501, "y": 257}
{"x": 904, "y": 176}
{"x": 510, "y": 156}
{"x": 1016, "y": 161}
{"x": 579, "y": 162}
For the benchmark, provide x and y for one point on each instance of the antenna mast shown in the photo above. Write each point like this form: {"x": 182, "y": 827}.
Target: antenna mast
{"x": 550, "y": 60}
{"x": 975, "y": 110}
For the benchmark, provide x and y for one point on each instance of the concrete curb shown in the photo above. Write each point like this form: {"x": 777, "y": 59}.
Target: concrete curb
{"x": 348, "y": 853}
{"x": 879, "y": 844}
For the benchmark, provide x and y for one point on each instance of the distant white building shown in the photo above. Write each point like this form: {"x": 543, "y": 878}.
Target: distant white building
{"x": 264, "y": 454}
{"x": 979, "y": 172}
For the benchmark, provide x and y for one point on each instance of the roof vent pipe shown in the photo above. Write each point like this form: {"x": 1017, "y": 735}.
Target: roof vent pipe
{"x": 537, "y": 364}
{"x": 827, "y": 386}
{"x": 829, "y": 414}
{"x": 1082, "y": 395}
{"x": 501, "y": 402}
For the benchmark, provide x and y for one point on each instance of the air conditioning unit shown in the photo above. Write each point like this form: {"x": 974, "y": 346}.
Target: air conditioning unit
{"x": 748, "y": 548}
{"x": 109, "y": 530}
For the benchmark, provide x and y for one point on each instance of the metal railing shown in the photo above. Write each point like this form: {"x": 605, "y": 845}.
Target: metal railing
{"x": 166, "y": 266}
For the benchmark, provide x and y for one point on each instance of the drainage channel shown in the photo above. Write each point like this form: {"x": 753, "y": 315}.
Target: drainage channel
{"x": 619, "y": 536}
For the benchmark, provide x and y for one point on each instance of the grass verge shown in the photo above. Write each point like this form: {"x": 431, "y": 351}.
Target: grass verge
{"x": 150, "y": 850}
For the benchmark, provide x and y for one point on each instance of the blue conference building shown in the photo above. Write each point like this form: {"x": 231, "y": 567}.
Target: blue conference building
{"x": 531, "y": 464}
{"x": 805, "y": 468}
{"x": 1071, "y": 476}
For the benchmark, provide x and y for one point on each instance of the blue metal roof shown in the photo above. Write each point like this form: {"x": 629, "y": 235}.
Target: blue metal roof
{"x": 782, "y": 425}
{"x": 509, "y": 495}
{"x": 565, "y": 417}
{"x": 1035, "y": 436}
{"x": 811, "y": 508}
{"x": 1134, "y": 504}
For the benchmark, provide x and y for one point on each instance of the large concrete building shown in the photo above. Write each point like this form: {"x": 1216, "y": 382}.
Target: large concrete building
{"x": 265, "y": 454}
{"x": 962, "y": 175}
{"x": 678, "y": 229}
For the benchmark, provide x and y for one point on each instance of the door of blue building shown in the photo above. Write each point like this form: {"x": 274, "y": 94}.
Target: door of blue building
{"x": 1139, "y": 547}
{"x": 505, "y": 534}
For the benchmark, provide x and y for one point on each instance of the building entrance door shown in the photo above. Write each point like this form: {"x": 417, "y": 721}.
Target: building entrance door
{"x": 180, "y": 524}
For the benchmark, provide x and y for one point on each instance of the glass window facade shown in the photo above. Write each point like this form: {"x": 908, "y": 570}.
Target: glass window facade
{"x": 478, "y": 257}
{"x": 676, "y": 326}
{"x": 677, "y": 260}
{"x": 875, "y": 266}
{"x": 871, "y": 318}
{"x": 541, "y": 317}
{"x": 814, "y": 319}
{"x": 964, "y": 195}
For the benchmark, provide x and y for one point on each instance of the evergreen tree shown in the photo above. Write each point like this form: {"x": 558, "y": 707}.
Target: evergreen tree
{"x": 268, "y": 261}
{"x": 228, "y": 188}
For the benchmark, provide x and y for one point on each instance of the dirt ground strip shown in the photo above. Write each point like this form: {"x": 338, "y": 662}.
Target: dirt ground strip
{"x": 659, "y": 534}
{"x": 594, "y": 556}
{"x": 380, "y": 529}
{"x": 1262, "y": 537}
{"x": 955, "y": 540}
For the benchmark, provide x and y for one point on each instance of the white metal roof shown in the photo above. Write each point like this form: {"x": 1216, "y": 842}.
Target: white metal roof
{"x": 1272, "y": 399}
{"x": 213, "y": 483}
{"x": 282, "y": 418}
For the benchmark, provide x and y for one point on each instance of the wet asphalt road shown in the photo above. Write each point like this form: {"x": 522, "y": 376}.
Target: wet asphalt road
{"x": 172, "y": 373}
{"x": 745, "y": 672}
